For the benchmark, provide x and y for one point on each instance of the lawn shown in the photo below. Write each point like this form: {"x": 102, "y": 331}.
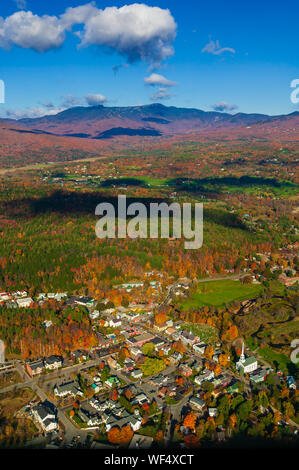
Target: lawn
{"x": 277, "y": 359}
{"x": 220, "y": 293}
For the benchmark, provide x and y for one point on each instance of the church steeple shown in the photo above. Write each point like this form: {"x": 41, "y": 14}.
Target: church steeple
{"x": 242, "y": 357}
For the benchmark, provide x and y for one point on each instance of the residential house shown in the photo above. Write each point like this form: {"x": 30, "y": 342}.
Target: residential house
{"x": 71, "y": 388}
{"x": 140, "y": 399}
{"x": 45, "y": 414}
{"x": 212, "y": 412}
{"x": 258, "y": 376}
{"x": 94, "y": 315}
{"x": 53, "y": 362}
{"x": 161, "y": 328}
{"x": 135, "y": 351}
{"x": 112, "y": 363}
{"x": 185, "y": 370}
{"x": 115, "y": 322}
{"x": 35, "y": 367}
{"x": 87, "y": 302}
{"x": 128, "y": 365}
{"x": 125, "y": 420}
{"x": 91, "y": 419}
{"x": 79, "y": 355}
{"x": 24, "y": 303}
{"x": 111, "y": 381}
{"x": 291, "y": 382}
{"x": 199, "y": 347}
{"x": 205, "y": 376}
{"x": 137, "y": 374}
{"x": 175, "y": 358}
{"x": 4, "y": 296}
{"x": 197, "y": 403}
{"x": 163, "y": 392}
{"x": 165, "y": 348}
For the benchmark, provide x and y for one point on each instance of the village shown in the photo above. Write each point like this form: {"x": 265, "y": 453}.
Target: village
{"x": 145, "y": 377}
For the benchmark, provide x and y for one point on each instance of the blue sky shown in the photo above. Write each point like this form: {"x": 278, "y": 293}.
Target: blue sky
{"x": 225, "y": 55}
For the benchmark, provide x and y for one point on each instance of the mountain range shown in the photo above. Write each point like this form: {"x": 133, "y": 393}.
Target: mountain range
{"x": 156, "y": 120}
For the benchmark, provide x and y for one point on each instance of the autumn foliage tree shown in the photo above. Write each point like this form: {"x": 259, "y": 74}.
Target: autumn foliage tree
{"x": 120, "y": 436}
{"x": 209, "y": 351}
{"x": 190, "y": 421}
{"x": 160, "y": 318}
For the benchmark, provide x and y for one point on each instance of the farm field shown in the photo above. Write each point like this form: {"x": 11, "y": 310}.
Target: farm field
{"x": 220, "y": 293}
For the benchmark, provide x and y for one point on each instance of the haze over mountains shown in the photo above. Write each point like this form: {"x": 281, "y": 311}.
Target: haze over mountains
{"x": 154, "y": 120}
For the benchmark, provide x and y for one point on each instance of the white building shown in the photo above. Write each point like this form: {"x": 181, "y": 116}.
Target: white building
{"x": 53, "y": 362}
{"x": 246, "y": 365}
{"x": 94, "y": 315}
{"x": 46, "y": 415}
{"x": 4, "y": 296}
{"x": 23, "y": 303}
{"x": 137, "y": 374}
{"x": 205, "y": 376}
{"x": 199, "y": 347}
{"x": 115, "y": 322}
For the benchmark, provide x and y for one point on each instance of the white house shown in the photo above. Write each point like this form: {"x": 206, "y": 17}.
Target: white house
{"x": 212, "y": 412}
{"x": 46, "y": 415}
{"x": 4, "y": 296}
{"x": 205, "y": 376}
{"x": 94, "y": 315}
{"x": 47, "y": 323}
{"x": 53, "y": 362}
{"x": 70, "y": 388}
{"x": 137, "y": 374}
{"x": 115, "y": 322}
{"x": 197, "y": 403}
{"x": 23, "y": 303}
{"x": 199, "y": 347}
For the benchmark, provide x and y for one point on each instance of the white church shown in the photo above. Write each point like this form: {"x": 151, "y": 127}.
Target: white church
{"x": 246, "y": 365}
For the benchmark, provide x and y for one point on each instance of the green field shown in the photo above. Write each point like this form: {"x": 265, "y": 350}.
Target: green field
{"x": 220, "y": 293}
{"x": 289, "y": 327}
{"x": 277, "y": 359}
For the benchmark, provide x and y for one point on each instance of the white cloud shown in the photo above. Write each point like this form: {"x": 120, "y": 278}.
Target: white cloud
{"x": 78, "y": 15}
{"x": 161, "y": 94}
{"x": 214, "y": 48}
{"x": 40, "y": 33}
{"x": 34, "y": 112}
{"x": 95, "y": 100}
{"x": 224, "y": 106}
{"x": 156, "y": 79}
{"x": 137, "y": 31}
